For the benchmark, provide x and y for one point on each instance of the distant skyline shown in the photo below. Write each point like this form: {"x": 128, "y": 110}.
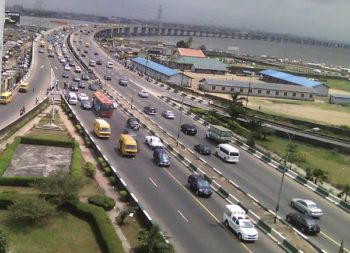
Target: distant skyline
{"x": 323, "y": 19}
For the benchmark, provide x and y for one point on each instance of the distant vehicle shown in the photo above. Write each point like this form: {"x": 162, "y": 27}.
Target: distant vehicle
{"x": 86, "y": 104}
{"x": 107, "y": 77}
{"x": 23, "y": 87}
{"x": 98, "y": 62}
{"x": 72, "y": 64}
{"x": 42, "y": 43}
{"x": 66, "y": 67}
{"x": 154, "y": 142}
{"x": 41, "y": 51}
{"x": 81, "y": 85}
{"x": 72, "y": 98}
{"x": 109, "y": 65}
{"x": 95, "y": 53}
{"x": 235, "y": 218}
{"x": 143, "y": 93}
{"x": 227, "y": 152}
{"x": 219, "y": 134}
{"x": 92, "y": 87}
{"x": 123, "y": 82}
{"x": 83, "y": 55}
{"x": 115, "y": 104}
{"x": 76, "y": 79}
{"x": 202, "y": 149}
{"x": 189, "y": 129}
{"x": 303, "y": 223}
{"x": 65, "y": 75}
{"x": 6, "y": 97}
{"x": 73, "y": 87}
{"x": 62, "y": 60}
{"x": 92, "y": 63}
{"x": 199, "y": 185}
{"x": 131, "y": 132}
{"x": 307, "y": 207}
{"x": 87, "y": 44}
{"x": 86, "y": 52}
{"x": 85, "y": 77}
{"x": 127, "y": 145}
{"x": 102, "y": 105}
{"x": 133, "y": 123}
{"x": 102, "y": 128}
{"x": 77, "y": 69}
{"x": 150, "y": 110}
{"x": 51, "y": 55}
{"x": 83, "y": 96}
{"x": 168, "y": 114}
{"x": 161, "y": 158}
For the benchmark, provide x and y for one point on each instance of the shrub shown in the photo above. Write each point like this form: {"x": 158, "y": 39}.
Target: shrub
{"x": 102, "y": 226}
{"x": 112, "y": 180}
{"x": 19, "y": 181}
{"x": 6, "y": 157}
{"x": 102, "y": 201}
{"x": 90, "y": 169}
{"x": 46, "y": 142}
{"x": 101, "y": 162}
{"x": 106, "y": 170}
{"x": 75, "y": 167}
{"x": 123, "y": 195}
{"x": 70, "y": 115}
{"x": 87, "y": 141}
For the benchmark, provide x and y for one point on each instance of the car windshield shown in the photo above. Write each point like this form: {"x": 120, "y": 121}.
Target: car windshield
{"x": 313, "y": 206}
{"x": 203, "y": 183}
{"x": 246, "y": 224}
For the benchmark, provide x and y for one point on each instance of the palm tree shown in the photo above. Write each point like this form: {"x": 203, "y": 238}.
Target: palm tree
{"x": 235, "y": 105}
{"x": 319, "y": 175}
{"x": 345, "y": 191}
{"x": 155, "y": 241}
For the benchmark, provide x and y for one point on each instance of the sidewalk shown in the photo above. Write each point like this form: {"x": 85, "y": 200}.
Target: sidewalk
{"x": 102, "y": 182}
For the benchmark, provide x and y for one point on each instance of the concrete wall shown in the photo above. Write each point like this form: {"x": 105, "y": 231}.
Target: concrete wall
{"x": 339, "y": 100}
{"x": 321, "y": 90}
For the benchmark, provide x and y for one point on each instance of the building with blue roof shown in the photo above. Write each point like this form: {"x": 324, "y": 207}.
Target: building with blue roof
{"x": 274, "y": 76}
{"x": 160, "y": 72}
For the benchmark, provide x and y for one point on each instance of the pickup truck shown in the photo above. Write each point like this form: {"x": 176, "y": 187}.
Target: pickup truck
{"x": 154, "y": 142}
{"x": 234, "y": 218}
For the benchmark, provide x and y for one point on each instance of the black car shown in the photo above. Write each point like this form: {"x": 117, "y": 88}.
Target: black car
{"x": 86, "y": 104}
{"x": 303, "y": 223}
{"x": 161, "y": 158}
{"x": 107, "y": 77}
{"x": 133, "y": 123}
{"x": 150, "y": 110}
{"x": 92, "y": 87}
{"x": 85, "y": 51}
{"x": 82, "y": 55}
{"x": 98, "y": 62}
{"x": 131, "y": 132}
{"x": 72, "y": 64}
{"x": 82, "y": 85}
{"x": 202, "y": 149}
{"x": 95, "y": 53}
{"x": 65, "y": 75}
{"x": 189, "y": 129}
{"x": 199, "y": 185}
{"x": 73, "y": 87}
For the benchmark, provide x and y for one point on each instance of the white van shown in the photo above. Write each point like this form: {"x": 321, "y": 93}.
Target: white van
{"x": 228, "y": 153}
{"x": 109, "y": 65}
{"x": 72, "y": 98}
{"x": 92, "y": 63}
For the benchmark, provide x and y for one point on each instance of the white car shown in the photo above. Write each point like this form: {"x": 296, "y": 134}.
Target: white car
{"x": 143, "y": 94}
{"x": 66, "y": 67}
{"x": 62, "y": 60}
{"x": 82, "y": 96}
{"x": 115, "y": 105}
{"x": 307, "y": 207}
{"x": 168, "y": 114}
{"x": 77, "y": 69}
{"x": 154, "y": 142}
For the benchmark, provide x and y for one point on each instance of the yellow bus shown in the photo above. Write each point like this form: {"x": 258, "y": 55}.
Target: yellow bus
{"x": 127, "y": 145}
{"x": 42, "y": 43}
{"x": 6, "y": 97}
{"x": 23, "y": 87}
{"x": 87, "y": 44}
{"x": 102, "y": 128}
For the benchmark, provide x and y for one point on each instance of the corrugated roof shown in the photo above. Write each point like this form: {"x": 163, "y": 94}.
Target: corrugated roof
{"x": 290, "y": 78}
{"x": 260, "y": 85}
{"x": 155, "y": 66}
{"x": 340, "y": 96}
{"x": 203, "y": 63}
{"x": 189, "y": 52}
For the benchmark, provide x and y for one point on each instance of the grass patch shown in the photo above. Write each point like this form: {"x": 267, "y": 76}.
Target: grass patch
{"x": 338, "y": 84}
{"x": 89, "y": 188}
{"x": 50, "y": 134}
{"x": 63, "y": 233}
{"x": 336, "y": 163}
{"x": 19, "y": 189}
{"x": 130, "y": 229}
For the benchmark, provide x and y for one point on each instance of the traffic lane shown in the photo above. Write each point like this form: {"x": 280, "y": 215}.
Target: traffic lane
{"x": 267, "y": 193}
{"x": 186, "y": 224}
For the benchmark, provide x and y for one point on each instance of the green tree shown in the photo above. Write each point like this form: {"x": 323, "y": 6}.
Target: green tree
{"x": 3, "y": 243}
{"x": 126, "y": 210}
{"x": 154, "y": 241}
{"x": 345, "y": 191}
{"x": 62, "y": 186}
{"x": 189, "y": 41}
{"x": 316, "y": 175}
{"x": 235, "y": 106}
{"x": 202, "y": 47}
{"x": 181, "y": 44}
{"x": 30, "y": 209}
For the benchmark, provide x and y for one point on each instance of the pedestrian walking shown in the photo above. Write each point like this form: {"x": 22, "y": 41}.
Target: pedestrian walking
{"x": 36, "y": 100}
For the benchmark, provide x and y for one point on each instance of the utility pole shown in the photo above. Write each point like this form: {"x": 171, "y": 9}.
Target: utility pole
{"x": 2, "y": 21}
{"x": 160, "y": 11}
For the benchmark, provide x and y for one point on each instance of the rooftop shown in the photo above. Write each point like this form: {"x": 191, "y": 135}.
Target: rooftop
{"x": 189, "y": 52}
{"x": 298, "y": 80}
{"x": 203, "y": 63}
{"x": 155, "y": 66}
{"x": 260, "y": 85}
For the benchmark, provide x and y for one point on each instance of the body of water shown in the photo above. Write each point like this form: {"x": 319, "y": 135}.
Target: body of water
{"x": 327, "y": 55}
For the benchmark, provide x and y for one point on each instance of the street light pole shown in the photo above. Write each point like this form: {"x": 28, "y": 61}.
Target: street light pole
{"x": 290, "y": 140}
{"x": 250, "y": 82}
{"x": 182, "y": 105}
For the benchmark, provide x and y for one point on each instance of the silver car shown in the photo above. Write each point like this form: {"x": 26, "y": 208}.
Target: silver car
{"x": 168, "y": 114}
{"x": 307, "y": 207}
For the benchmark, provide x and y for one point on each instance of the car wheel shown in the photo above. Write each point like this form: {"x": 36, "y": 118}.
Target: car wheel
{"x": 292, "y": 204}
{"x": 186, "y": 132}
{"x": 226, "y": 224}
{"x": 240, "y": 237}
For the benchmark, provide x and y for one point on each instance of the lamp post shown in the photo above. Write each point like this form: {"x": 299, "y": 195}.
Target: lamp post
{"x": 182, "y": 104}
{"x": 290, "y": 140}
{"x": 250, "y": 82}
{"x": 146, "y": 64}
{"x": 132, "y": 97}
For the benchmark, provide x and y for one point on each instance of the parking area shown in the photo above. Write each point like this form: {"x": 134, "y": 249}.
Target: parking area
{"x": 34, "y": 160}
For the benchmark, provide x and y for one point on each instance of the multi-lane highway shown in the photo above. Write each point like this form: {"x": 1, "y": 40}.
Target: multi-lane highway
{"x": 252, "y": 175}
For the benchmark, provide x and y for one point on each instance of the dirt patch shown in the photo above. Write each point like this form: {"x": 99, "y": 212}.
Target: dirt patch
{"x": 33, "y": 160}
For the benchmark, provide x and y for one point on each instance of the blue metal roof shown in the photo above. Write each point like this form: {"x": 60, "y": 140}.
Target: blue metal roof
{"x": 155, "y": 66}
{"x": 290, "y": 78}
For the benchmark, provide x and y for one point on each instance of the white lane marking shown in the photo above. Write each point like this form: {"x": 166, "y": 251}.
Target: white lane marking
{"x": 153, "y": 182}
{"x": 55, "y": 67}
{"x": 42, "y": 66}
{"x": 183, "y": 216}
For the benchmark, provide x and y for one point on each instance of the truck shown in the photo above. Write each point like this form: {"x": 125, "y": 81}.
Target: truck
{"x": 87, "y": 45}
{"x": 219, "y": 134}
{"x": 235, "y": 219}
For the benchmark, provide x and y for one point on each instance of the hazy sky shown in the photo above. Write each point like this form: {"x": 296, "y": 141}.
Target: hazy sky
{"x": 315, "y": 18}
